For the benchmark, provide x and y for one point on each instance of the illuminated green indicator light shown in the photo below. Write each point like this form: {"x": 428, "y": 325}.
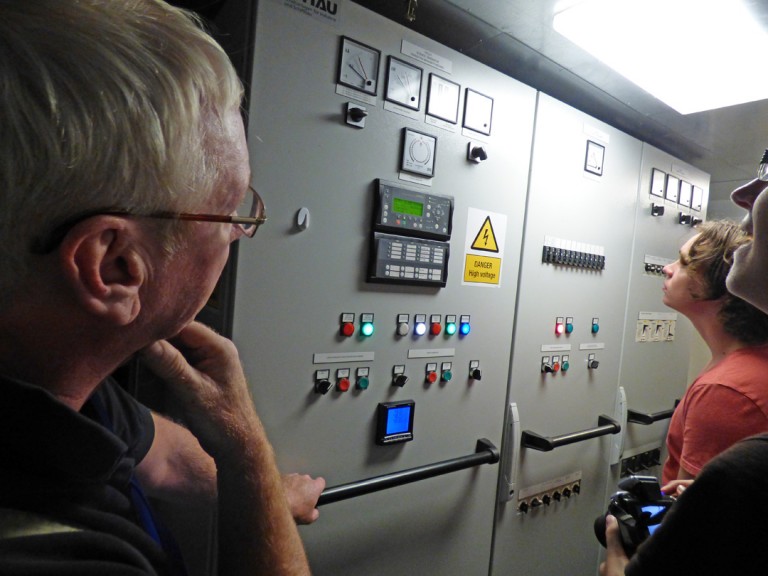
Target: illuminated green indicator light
{"x": 450, "y": 328}
{"x": 367, "y": 329}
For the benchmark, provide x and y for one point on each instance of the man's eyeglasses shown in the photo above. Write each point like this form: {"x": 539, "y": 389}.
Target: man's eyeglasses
{"x": 252, "y": 205}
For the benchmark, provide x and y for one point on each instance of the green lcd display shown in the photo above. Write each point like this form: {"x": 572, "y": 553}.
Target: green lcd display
{"x": 402, "y": 206}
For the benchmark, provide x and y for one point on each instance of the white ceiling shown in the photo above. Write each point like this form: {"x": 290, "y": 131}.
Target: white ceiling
{"x": 516, "y": 37}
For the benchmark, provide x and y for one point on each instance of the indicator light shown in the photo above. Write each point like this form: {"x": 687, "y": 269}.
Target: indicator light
{"x": 347, "y": 329}
{"x": 446, "y": 376}
{"x": 559, "y": 328}
{"x": 595, "y": 327}
{"x": 366, "y": 329}
{"x": 362, "y": 383}
{"x": 450, "y": 328}
{"x": 568, "y": 327}
{"x": 343, "y": 384}
{"x": 347, "y": 324}
{"x": 420, "y": 328}
{"x": 464, "y": 328}
{"x": 435, "y": 328}
{"x": 565, "y": 366}
{"x": 431, "y": 377}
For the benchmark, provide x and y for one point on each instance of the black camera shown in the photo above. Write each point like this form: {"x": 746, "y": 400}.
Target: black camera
{"x": 639, "y": 507}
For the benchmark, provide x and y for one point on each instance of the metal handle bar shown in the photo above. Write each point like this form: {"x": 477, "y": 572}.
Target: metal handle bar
{"x": 605, "y": 425}
{"x": 648, "y": 419}
{"x": 485, "y": 453}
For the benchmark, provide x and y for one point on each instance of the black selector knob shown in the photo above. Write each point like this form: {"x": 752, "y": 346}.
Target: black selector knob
{"x": 479, "y": 153}
{"x": 323, "y": 386}
{"x": 476, "y": 374}
{"x": 357, "y": 114}
{"x": 400, "y": 380}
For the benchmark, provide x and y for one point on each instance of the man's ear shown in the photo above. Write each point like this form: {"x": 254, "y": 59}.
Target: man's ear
{"x": 103, "y": 267}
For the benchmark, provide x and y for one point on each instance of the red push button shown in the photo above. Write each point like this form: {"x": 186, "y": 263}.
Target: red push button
{"x": 431, "y": 377}
{"x": 347, "y": 329}
{"x": 343, "y": 384}
{"x": 435, "y": 328}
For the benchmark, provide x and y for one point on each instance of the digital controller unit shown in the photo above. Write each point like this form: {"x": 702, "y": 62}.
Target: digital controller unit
{"x": 413, "y": 213}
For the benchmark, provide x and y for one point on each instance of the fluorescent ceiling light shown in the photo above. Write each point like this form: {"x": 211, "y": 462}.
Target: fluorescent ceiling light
{"x": 693, "y": 55}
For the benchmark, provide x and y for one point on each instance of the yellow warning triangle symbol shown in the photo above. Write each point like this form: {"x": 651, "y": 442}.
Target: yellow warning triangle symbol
{"x": 486, "y": 239}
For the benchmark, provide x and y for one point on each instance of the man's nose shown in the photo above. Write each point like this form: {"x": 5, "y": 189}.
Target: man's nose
{"x": 744, "y": 196}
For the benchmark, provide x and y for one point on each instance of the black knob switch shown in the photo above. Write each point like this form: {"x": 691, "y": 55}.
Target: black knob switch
{"x": 400, "y": 380}
{"x": 322, "y": 386}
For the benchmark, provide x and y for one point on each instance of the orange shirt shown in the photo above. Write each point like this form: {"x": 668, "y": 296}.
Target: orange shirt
{"x": 723, "y": 405}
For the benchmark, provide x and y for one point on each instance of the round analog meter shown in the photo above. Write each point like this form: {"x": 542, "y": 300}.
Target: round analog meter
{"x": 403, "y": 84}
{"x": 359, "y": 66}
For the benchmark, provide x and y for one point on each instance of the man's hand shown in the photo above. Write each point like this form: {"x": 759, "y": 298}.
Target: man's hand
{"x": 256, "y": 533}
{"x": 302, "y": 492}
{"x": 676, "y": 487}
{"x": 204, "y": 372}
{"x": 615, "y": 557}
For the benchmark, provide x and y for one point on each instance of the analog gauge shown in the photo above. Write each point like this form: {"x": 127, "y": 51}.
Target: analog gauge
{"x": 418, "y": 153}
{"x": 594, "y": 159}
{"x": 443, "y": 99}
{"x": 478, "y": 111}
{"x": 359, "y": 66}
{"x": 403, "y": 84}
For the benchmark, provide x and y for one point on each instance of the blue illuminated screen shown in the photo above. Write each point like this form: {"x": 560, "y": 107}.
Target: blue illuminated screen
{"x": 653, "y": 520}
{"x": 398, "y": 419}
